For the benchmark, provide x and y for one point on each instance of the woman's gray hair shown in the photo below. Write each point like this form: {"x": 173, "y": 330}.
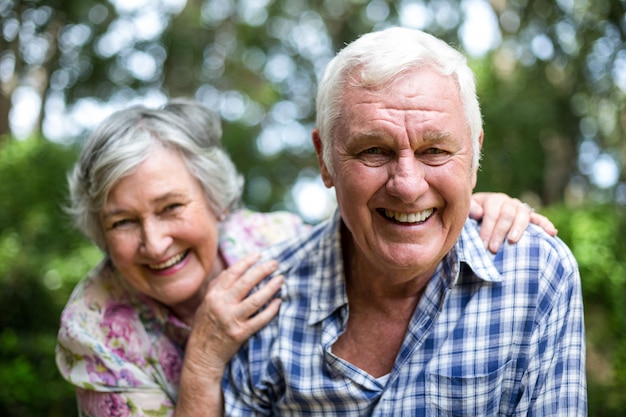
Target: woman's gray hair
{"x": 126, "y": 138}
{"x": 380, "y": 58}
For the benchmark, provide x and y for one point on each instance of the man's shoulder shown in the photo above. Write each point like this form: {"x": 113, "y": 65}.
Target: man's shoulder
{"x": 536, "y": 256}
{"x": 548, "y": 249}
{"x": 302, "y": 246}
{"x": 541, "y": 264}
{"x": 535, "y": 243}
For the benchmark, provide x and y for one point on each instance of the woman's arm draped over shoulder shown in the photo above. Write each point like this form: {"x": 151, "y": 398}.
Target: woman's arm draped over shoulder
{"x": 118, "y": 369}
{"x": 222, "y": 323}
{"x": 104, "y": 350}
{"x": 504, "y": 217}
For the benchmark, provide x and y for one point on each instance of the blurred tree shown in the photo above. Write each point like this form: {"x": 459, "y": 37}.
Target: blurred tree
{"x": 594, "y": 233}
{"x": 552, "y": 82}
{"x": 41, "y": 258}
{"x": 553, "y": 78}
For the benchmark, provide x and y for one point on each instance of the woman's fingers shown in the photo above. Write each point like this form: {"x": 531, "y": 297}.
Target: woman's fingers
{"x": 507, "y": 218}
{"x": 253, "y": 302}
{"x": 500, "y": 217}
{"x": 229, "y": 276}
{"x": 520, "y": 221}
{"x": 260, "y": 320}
{"x": 544, "y": 223}
{"x": 230, "y": 304}
{"x": 244, "y": 275}
{"x": 476, "y": 205}
{"x": 251, "y": 278}
{"x": 510, "y": 222}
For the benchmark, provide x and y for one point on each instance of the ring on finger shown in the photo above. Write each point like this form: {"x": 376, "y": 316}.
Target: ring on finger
{"x": 528, "y": 207}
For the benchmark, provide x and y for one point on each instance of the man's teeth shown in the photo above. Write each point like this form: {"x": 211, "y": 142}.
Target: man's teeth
{"x": 409, "y": 217}
{"x": 170, "y": 262}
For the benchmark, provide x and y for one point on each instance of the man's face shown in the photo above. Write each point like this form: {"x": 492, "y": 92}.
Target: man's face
{"x": 403, "y": 173}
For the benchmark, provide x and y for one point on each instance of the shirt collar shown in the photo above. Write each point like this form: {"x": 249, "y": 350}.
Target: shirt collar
{"x": 329, "y": 292}
{"x": 471, "y": 250}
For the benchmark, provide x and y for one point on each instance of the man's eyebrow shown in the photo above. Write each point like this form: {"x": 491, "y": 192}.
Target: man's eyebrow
{"x": 436, "y": 135}
{"x": 378, "y": 135}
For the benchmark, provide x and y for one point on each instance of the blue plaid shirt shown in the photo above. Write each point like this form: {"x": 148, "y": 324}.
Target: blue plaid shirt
{"x": 492, "y": 335}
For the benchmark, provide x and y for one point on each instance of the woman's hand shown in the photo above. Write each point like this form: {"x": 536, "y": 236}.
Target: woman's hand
{"x": 227, "y": 317}
{"x": 504, "y": 217}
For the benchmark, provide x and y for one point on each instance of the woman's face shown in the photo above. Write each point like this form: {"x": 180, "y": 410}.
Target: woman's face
{"x": 161, "y": 233}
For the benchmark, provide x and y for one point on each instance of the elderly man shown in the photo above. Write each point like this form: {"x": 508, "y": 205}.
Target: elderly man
{"x": 394, "y": 307}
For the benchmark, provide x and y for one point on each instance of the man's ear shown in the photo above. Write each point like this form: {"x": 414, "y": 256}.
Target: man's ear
{"x": 319, "y": 148}
{"x": 475, "y": 169}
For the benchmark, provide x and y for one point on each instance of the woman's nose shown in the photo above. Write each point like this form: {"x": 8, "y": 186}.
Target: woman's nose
{"x": 155, "y": 239}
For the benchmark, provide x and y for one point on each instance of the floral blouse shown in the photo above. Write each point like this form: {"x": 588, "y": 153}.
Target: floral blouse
{"x": 124, "y": 351}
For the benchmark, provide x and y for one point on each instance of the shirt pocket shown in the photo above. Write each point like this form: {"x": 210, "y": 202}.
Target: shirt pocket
{"x": 466, "y": 394}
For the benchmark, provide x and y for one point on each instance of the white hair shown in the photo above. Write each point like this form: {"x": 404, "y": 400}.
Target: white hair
{"x": 380, "y": 58}
{"x": 126, "y": 138}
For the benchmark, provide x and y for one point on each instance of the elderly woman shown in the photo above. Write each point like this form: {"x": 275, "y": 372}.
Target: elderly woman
{"x": 150, "y": 329}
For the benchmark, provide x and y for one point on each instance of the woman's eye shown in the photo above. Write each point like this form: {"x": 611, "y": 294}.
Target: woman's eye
{"x": 120, "y": 223}
{"x": 173, "y": 206}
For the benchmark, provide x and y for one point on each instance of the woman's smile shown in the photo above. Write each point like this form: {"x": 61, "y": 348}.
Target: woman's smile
{"x": 169, "y": 265}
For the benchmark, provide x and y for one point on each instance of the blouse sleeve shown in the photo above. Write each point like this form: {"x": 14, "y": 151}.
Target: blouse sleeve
{"x": 246, "y": 232}
{"x": 104, "y": 350}
{"x": 127, "y": 404}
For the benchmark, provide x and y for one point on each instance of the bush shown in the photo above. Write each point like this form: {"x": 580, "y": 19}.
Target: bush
{"x": 596, "y": 236}
{"x": 42, "y": 257}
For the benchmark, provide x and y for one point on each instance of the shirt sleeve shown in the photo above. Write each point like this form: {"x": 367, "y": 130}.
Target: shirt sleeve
{"x": 240, "y": 396}
{"x": 557, "y": 381}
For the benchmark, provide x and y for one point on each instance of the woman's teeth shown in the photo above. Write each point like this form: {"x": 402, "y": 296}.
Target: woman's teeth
{"x": 409, "y": 217}
{"x": 170, "y": 262}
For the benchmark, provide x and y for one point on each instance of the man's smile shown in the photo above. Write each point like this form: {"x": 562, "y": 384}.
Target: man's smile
{"x": 416, "y": 217}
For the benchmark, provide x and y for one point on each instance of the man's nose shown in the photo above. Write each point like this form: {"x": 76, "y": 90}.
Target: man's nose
{"x": 407, "y": 179}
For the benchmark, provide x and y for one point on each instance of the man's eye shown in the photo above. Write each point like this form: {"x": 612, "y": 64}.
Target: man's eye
{"x": 435, "y": 156}
{"x": 373, "y": 151}
{"x": 435, "y": 151}
{"x": 375, "y": 156}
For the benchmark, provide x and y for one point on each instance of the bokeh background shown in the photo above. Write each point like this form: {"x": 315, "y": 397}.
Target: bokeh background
{"x": 551, "y": 79}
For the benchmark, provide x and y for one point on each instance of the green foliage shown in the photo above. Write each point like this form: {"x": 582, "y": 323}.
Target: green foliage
{"x": 31, "y": 385}
{"x": 596, "y": 236}
{"x": 41, "y": 258}
{"x": 536, "y": 111}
